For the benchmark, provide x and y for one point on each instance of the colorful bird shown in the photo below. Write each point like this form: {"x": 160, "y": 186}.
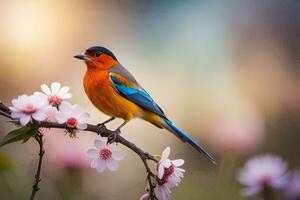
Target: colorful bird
{"x": 115, "y": 92}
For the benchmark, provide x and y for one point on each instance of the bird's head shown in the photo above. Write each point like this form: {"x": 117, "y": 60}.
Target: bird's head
{"x": 98, "y": 57}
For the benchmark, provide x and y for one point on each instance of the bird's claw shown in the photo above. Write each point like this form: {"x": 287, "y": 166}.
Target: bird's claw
{"x": 113, "y": 136}
{"x": 102, "y": 127}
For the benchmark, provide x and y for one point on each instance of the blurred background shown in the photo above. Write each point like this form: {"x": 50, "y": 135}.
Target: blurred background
{"x": 226, "y": 72}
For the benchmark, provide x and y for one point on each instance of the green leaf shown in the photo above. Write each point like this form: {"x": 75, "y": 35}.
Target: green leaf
{"x": 31, "y": 133}
{"x": 24, "y": 133}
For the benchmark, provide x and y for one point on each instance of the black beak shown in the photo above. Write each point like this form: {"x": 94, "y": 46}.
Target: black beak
{"x": 81, "y": 57}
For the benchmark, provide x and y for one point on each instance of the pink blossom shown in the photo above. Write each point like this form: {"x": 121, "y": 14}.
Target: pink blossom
{"x": 50, "y": 112}
{"x": 72, "y": 115}
{"x": 26, "y": 107}
{"x": 259, "y": 173}
{"x": 169, "y": 174}
{"x": 292, "y": 190}
{"x": 56, "y": 94}
{"x": 167, "y": 168}
{"x": 104, "y": 156}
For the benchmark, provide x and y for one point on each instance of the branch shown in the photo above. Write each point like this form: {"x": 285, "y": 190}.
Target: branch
{"x": 100, "y": 130}
{"x": 35, "y": 187}
{"x": 104, "y": 132}
{"x": 4, "y": 108}
{"x": 149, "y": 175}
{"x": 6, "y": 115}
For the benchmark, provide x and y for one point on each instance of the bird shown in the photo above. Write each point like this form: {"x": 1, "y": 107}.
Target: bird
{"x": 114, "y": 91}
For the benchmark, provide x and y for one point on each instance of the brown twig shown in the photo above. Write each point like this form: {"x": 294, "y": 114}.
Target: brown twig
{"x": 100, "y": 130}
{"x": 4, "y": 108}
{"x": 6, "y": 115}
{"x": 35, "y": 187}
{"x": 149, "y": 175}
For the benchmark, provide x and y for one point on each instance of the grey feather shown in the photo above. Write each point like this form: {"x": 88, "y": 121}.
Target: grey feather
{"x": 119, "y": 69}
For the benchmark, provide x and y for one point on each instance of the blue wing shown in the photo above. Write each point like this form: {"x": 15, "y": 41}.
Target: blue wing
{"x": 136, "y": 95}
{"x": 127, "y": 86}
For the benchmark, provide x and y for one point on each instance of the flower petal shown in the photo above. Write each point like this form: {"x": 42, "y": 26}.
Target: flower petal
{"x": 60, "y": 117}
{"x": 51, "y": 114}
{"x": 159, "y": 193}
{"x": 93, "y": 153}
{"x": 172, "y": 181}
{"x": 100, "y": 165}
{"x": 39, "y": 115}
{"x": 76, "y": 111}
{"x": 83, "y": 117}
{"x": 166, "y": 163}
{"x": 13, "y": 109}
{"x": 25, "y": 119}
{"x": 180, "y": 169}
{"x": 178, "y": 162}
{"x": 17, "y": 103}
{"x": 118, "y": 155}
{"x": 39, "y": 94}
{"x": 63, "y": 93}
{"x": 40, "y": 101}
{"x": 99, "y": 144}
{"x": 112, "y": 164}
{"x": 55, "y": 87}
{"x": 17, "y": 114}
{"x": 46, "y": 89}
{"x": 66, "y": 108}
{"x": 178, "y": 173}
{"x": 165, "y": 153}
{"x": 160, "y": 171}
{"x": 94, "y": 163}
{"x": 81, "y": 126}
{"x": 65, "y": 96}
{"x": 162, "y": 192}
{"x": 63, "y": 90}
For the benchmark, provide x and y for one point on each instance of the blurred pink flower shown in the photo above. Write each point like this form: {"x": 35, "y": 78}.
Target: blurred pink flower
{"x": 292, "y": 189}
{"x": 239, "y": 130}
{"x": 262, "y": 172}
{"x": 103, "y": 156}
{"x": 64, "y": 152}
{"x": 25, "y": 107}
{"x": 72, "y": 115}
{"x": 56, "y": 94}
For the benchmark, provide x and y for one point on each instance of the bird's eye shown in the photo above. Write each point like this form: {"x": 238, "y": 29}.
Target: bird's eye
{"x": 97, "y": 54}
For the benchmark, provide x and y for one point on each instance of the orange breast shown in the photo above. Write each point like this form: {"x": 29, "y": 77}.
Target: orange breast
{"x": 103, "y": 95}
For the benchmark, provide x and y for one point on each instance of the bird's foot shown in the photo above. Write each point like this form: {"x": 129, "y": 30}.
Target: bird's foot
{"x": 102, "y": 128}
{"x": 113, "y": 136}
{"x": 101, "y": 125}
{"x": 105, "y": 122}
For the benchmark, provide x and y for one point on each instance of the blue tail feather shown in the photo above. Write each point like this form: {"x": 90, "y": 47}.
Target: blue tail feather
{"x": 185, "y": 138}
